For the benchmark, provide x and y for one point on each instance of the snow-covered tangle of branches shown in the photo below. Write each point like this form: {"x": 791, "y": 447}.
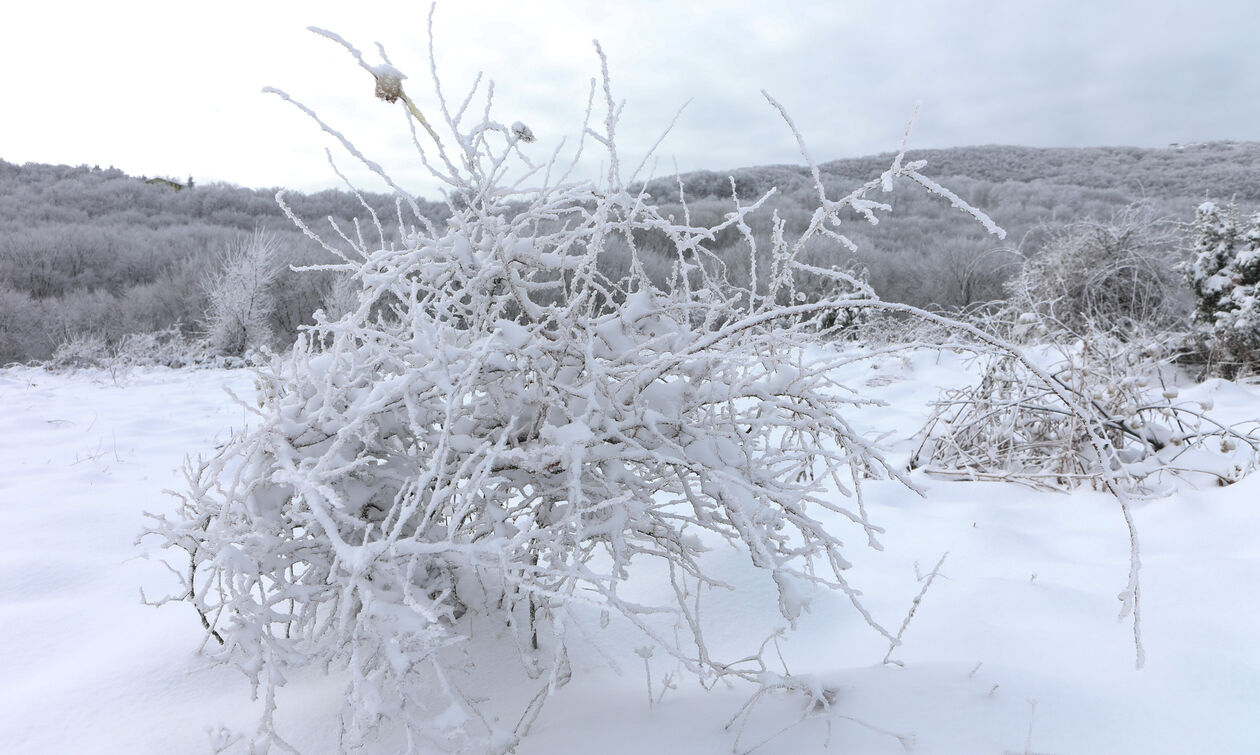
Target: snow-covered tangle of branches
{"x": 500, "y": 434}
{"x": 1114, "y": 276}
{"x": 1019, "y": 426}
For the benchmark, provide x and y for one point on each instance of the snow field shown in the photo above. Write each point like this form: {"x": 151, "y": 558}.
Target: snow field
{"x": 1014, "y": 648}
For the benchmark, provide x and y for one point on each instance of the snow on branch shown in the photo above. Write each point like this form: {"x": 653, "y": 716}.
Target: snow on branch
{"x": 500, "y": 434}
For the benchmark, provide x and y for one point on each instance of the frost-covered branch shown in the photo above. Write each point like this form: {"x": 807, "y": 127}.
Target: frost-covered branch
{"x": 498, "y": 434}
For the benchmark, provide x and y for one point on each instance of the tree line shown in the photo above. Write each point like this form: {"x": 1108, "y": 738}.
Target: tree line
{"x": 86, "y": 251}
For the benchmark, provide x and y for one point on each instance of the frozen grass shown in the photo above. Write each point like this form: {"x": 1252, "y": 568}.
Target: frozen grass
{"x": 1014, "y": 648}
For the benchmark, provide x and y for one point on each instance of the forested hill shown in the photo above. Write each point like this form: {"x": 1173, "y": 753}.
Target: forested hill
{"x": 1221, "y": 169}
{"x": 35, "y": 194}
{"x": 928, "y": 253}
{"x": 85, "y": 249}
{"x": 1217, "y": 169}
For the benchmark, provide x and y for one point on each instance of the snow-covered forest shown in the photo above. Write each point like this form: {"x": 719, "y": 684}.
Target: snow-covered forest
{"x": 942, "y": 451}
{"x": 92, "y": 254}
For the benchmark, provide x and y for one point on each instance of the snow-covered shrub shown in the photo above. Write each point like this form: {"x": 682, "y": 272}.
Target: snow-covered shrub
{"x": 81, "y": 351}
{"x": 1224, "y": 276}
{"x": 1016, "y": 425}
{"x": 242, "y": 296}
{"x": 1103, "y": 314}
{"x": 164, "y": 348}
{"x": 498, "y": 434}
{"x": 1113, "y": 276}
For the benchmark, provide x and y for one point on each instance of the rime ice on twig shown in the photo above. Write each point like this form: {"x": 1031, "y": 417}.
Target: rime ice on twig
{"x": 914, "y": 607}
{"x": 499, "y": 433}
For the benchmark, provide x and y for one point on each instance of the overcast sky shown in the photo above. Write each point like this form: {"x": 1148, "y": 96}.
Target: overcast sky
{"x": 174, "y": 89}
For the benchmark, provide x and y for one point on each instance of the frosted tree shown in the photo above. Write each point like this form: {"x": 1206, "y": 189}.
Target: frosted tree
{"x": 242, "y": 296}
{"x": 1215, "y": 242}
{"x": 497, "y": 436}
{"x": 1224, "y": 276}
{"x": 1243, "y": 322}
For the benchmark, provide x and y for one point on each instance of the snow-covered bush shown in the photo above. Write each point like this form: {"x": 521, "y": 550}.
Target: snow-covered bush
{"x": 1103, "y": 315}
{"x": 164, "y": 348}
{"x": 80, "y": 351}
{"x": 498, "y": 434}
{"x": 242, "y": 296}
{"x": 1114, "y": 276}
{"x": 1224, "y": 276}
{"x": 1014, "y": 425}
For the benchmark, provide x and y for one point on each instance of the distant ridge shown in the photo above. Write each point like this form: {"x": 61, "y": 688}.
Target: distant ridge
{"x": 92, "y": 252}
{"x": 1222, "y": 170}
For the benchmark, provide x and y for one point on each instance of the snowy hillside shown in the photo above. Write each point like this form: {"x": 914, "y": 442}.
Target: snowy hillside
{"x": 1015, "y": 646}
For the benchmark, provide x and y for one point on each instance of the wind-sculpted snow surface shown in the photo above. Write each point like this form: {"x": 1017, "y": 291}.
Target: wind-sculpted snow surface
{"x": 501, "y": 434}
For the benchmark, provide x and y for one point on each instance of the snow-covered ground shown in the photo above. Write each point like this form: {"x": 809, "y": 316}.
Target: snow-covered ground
{"x": 1015, "y": 647}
